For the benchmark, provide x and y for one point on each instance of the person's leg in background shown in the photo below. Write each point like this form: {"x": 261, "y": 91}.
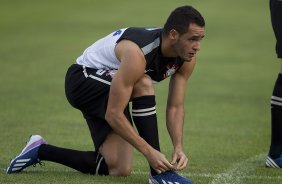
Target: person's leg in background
{"x": 274, "y": 158}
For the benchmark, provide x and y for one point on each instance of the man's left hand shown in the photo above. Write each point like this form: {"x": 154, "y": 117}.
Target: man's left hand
{"x": 179, "y": 160}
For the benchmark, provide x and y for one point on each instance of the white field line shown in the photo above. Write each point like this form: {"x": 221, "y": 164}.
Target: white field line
{"x": 239, "y": 171}
{"x": 144, "y": 173}
{"x": 210, "y": 175}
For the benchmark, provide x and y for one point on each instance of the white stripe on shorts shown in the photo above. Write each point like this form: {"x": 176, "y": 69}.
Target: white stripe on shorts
{"x": 94, "y": 77}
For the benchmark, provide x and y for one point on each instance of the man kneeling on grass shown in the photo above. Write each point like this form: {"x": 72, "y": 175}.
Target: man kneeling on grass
{"x": 115, "y": 70}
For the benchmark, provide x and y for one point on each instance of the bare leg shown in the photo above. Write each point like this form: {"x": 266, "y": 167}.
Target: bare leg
{"x": 118, "y": 155}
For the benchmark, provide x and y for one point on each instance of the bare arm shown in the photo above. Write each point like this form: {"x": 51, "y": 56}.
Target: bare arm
{"x": 131, "y": 69}
{"x": 175, "y": 112}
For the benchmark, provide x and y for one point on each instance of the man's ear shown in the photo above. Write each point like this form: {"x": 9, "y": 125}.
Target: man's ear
{"x": 173, "y": 34}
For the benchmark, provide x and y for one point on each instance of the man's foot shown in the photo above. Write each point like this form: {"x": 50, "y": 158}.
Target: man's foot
{"x": 28, "y": 156}
{"x": 275, "y": 163}
{"x": 169, "y": 177}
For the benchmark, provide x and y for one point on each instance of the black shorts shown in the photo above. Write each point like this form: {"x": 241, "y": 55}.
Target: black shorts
{"x": 87, "y": 89}
{"x": 276, "y": 19}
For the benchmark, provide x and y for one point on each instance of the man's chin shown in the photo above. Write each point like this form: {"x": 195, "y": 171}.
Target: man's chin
{"x": 187, "y": 59}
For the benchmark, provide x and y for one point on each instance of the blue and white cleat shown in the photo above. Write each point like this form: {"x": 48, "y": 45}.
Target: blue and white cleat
{"x": 169, "y": 177}
{"x": 274, "y": 163}
{"x": 28, "y": 156}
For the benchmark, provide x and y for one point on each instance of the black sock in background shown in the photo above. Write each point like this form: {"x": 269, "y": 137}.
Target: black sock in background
{"x": 276, "y": 119}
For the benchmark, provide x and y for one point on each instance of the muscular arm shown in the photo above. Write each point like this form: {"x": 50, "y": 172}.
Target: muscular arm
{"x": 175, "y": 111}
{"x": 131, "y": 69}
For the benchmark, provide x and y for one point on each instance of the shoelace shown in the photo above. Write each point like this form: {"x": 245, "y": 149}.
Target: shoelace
{"x": 42, "y": 164}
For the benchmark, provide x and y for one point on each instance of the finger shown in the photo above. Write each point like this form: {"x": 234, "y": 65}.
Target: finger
{"x": 182, "y": 163}
{"x": 181, "y": 167}
{"x": 158, "y": 171}
{"x": 179, "y": 161}
{"x": 162, "y": 168}
{"x": 168, "y": 166}
{"x": 174, "y": 159}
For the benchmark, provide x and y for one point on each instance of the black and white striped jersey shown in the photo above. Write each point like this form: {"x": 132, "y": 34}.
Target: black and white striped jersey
{"x": 101, "y": 55}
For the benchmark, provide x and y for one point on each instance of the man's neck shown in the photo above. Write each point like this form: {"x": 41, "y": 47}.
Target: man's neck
{"x": 166, "y": 48}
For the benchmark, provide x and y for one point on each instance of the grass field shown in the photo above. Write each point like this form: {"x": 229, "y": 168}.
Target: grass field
{"x": 227, "y": 122}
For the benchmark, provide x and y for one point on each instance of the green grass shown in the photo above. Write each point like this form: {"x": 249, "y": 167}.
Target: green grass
{"x": 227, "y": 122}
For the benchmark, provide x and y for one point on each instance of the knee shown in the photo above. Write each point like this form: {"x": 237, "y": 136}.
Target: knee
{"x": 143, "y": 86}
{"x": 120, "y": 171}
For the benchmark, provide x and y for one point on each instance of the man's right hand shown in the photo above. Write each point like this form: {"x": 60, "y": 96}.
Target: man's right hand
{"x": 158, "y": 161}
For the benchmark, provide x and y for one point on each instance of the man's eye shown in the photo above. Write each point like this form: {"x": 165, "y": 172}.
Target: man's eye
{"x": 195, "y": 39}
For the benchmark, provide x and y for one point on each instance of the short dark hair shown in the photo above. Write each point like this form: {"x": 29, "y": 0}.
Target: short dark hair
{"x": 181, "y": 18}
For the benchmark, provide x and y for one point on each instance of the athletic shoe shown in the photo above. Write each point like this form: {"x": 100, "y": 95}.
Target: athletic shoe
{"x": 275, "y": 163}
{"x": 28, "y": 156}
{"x": 169, "y": 177}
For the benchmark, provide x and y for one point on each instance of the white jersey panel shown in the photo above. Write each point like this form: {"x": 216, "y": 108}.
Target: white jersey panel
{"x": 101, "y": 54}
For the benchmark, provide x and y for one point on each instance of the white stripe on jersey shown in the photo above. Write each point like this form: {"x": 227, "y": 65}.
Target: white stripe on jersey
{"x": 148, "y": 48}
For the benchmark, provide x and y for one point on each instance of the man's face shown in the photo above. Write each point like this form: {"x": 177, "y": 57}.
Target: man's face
{"x": 188, "y": 44}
